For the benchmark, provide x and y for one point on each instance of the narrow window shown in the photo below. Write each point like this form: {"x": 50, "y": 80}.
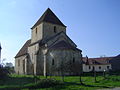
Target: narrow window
{"x": 108, "y": 67}
{"x": 52, "y": 61}
{"x": 89, "y": 67}
{"x": 18, "y": 63}
{"x": 93, "y": 68}
{"x": 36, "y": 30}
{"x": 55, "y": 29}
{"x": 99, "y": 67}
{"x": 24, "y": 66}
{"x": 73, "y": 60}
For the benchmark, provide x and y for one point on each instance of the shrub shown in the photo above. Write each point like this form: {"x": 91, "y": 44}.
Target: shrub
{"x": 10, "y": 70}
{"x": 3, "y": 72}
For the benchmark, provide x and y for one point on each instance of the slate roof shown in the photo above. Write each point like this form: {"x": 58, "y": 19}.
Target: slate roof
{"x": 63, "y": 45}
{"x": 23, "y": 50}
{"x": 97, "y": 61}
{"x": 50, "y": 17}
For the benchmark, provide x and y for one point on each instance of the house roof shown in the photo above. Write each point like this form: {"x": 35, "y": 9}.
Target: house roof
{"x": 50, "y": 17}
{"x": 97, "y": 61}
{"x": 24, "y": 49}
{"x": 63, "y": 45}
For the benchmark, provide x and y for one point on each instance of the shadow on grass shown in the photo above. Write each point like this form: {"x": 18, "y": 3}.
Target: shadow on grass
{"x": 17, "y": 81}
{"x": 86, "y": 85}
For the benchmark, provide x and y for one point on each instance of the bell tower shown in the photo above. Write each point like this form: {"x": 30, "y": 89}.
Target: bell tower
{"x": 48, "y": 25}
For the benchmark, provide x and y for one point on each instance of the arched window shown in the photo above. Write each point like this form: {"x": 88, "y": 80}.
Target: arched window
{"x": 55, "y": 31}
{"x": 53, "y": 62}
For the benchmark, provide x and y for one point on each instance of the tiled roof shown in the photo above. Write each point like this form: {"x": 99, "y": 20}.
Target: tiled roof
{"x": 24, "y": 49}
{"x": 63, "y": 45}
{"x": 50, "y": 17}
{"x": 97, "y": 61}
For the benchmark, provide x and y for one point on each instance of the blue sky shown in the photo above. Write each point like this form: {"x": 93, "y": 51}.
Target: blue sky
{"x": 94, "y": 25}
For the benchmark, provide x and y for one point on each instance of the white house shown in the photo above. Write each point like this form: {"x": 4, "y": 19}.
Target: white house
{"x": 96, "y": 64}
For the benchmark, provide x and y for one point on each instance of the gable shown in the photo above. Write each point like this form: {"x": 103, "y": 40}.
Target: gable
{"x": 59, "y": 37}
{"x": 63, "y": 45}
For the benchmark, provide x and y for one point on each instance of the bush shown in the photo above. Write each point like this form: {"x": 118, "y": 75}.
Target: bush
{"x": 10, "y": 70}
{"x": 3, "y": 72}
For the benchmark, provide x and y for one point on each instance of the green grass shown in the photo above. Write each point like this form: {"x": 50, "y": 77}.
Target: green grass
{"x": 26, "y": 82}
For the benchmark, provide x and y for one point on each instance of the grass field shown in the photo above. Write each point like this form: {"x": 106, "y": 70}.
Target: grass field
{"x": 17, "y": 82}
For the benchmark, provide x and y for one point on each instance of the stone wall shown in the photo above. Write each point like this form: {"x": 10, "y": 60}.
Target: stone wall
{"x": 37, "y": 33}
{"x": 20, "y": 65}
{"x": 33, "y": 50}
{"x": 63, "y": 62}
{"x": 48, "y": 30}
{"x": 44, "y": 31}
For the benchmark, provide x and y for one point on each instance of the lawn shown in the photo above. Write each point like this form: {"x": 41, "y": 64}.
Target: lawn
{"x": 26, "y": 82}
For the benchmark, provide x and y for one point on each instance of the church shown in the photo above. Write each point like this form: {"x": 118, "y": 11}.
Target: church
{"x": 49, "y": 51}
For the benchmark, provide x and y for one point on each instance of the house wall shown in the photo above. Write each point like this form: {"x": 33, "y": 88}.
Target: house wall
{"x": 88, "y": 68}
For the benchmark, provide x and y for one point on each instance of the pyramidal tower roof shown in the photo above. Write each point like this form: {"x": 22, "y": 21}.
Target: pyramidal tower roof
{"x": 50, "y": 17}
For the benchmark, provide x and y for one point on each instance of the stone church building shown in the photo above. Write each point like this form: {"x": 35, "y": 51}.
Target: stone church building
{"x": 49, "y": 51}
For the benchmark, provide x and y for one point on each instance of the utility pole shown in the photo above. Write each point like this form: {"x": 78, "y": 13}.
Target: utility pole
{"x": 0, "y": 52}
{"x": 94, "y": 74}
